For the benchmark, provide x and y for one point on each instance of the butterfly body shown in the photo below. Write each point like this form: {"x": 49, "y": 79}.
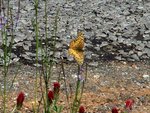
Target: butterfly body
{"x": 76, "y": 48}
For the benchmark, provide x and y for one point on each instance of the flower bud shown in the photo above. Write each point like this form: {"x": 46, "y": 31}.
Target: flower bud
{"x": 56, "y": 88}
{"x": 129, "y": 104}
{"x": 114, "y": 110}
{"x": 50, "y": 96}
{"x": 20, "y": 100}
{"x": 81, "y": 109}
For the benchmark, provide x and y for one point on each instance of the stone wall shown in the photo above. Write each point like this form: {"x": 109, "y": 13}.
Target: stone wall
{"x": 114, "y": 29}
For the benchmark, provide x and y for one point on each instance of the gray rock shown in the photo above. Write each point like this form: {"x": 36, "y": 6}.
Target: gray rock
{"x": 97, "y": 48}
{"x": 147, "y": 32}
{"x": 94, "y": 64}
{"x": 1, "y": 52}
{"x": 58, "y": 45}
{"x": 140, "y": 47}
{"x": 131, "y": 52}
{"x": 70, "y": 58}
{"x": 114, "y": 38}
{"x": 146, "y": 77}
{"x": 104, "y": 44}
{"x": 26, "y": 47}
{"x": 120, "y": 39}
{"x": 88, "y": 25}
{"x": 139, "y": 53}
{"x": 148, "y": 44}
{"x": 120, "y": 27}
{"x": 128, "y": 42}
{"x": 103, "y": 35}
{"x": 15, "y": 60}
{"x": 135, "y": 56}
{"x": 118, "y": 58}
{"x": 126, "y": 12}
{"x": 146, "y": 37}
{"x": 88, "y": 55}
{"x": 144, "y": 56}
{"x": 57, "y": 55}
{"x": 146, "y": 50}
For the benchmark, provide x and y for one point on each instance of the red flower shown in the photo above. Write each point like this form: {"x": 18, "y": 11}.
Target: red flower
{"x": 50, "y": 96}
{"x": 56, "y": 88}
{"x": 81, "y": 109}
{"x": 129, "y": 104}
{"x": 20, "y": 100}
{"x": 114, "y": 110}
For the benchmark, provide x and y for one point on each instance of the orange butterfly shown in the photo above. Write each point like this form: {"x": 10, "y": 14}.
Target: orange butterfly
{"x": 76, "y": 48}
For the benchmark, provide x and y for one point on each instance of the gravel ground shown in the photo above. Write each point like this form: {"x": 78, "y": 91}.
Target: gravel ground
{"x": 113, "y": 30}
{"x": 108, "y": 84}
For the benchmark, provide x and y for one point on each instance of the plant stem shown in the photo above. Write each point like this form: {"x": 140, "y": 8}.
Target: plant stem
{"x": 37, "y": 46}
{"x": 76, "y": 101}
{"x": 4, "y": 35}
{"x": 63, "y": 70}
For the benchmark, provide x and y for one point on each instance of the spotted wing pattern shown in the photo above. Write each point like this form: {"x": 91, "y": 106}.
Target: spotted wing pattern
{"x": 76, "y": 48}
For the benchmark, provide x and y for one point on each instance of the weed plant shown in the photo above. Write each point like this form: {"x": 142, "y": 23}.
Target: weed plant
{"x": 7, "y": 29}
{"x": 49, "y": 98}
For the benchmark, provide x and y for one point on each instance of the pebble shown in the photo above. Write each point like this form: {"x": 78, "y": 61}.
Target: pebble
{"x": 93, "y": 64}
{"x": 146, "y": 77}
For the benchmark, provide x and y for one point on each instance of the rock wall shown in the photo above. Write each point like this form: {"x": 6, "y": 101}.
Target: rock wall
{"x": 114, "y": 29}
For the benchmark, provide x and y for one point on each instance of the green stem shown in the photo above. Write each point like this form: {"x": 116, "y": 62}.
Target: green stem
{"x": 82, "y": 89}
{"x": 37, "y": 46}
{"x": 76, "y": 101}
{"x": 5, "y": 68}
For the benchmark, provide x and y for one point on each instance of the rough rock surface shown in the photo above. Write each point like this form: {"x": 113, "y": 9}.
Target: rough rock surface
{"x": 114, "y": 29}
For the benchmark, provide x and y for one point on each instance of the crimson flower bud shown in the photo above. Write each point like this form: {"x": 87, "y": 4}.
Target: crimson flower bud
{"x": 81, "y": 109}
{"x": 50, "y": 96}
{"x": 114, "y": 110}
{"x": 20, "y": 100}
{"x": 129, "y": 104}
{"x": 56, "y": 88}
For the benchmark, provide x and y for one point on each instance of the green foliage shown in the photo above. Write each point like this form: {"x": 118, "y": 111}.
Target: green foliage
{"x": 47, "y": 63}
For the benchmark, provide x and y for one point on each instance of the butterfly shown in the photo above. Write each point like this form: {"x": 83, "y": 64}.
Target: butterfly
{"x": 76, "y": 48}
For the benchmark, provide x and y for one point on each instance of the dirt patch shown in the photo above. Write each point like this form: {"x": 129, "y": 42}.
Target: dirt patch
{"x": 107, "y": 85}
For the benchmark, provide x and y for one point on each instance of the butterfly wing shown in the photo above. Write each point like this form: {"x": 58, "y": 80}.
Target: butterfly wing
{"x": 78, "y": 55}
{"x": 76, "y": 48}
{"x": 77, "y": 43}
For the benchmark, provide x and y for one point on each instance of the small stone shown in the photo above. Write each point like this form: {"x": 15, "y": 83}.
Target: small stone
{"x": 120, "y": 39}
{"x": 147, "y": 31}
{"x": 15, "y": 60}
{"x": 147, "y": 51}
{"x": 126, "y": 12}
{"x": 57, "y": 55}
{"x": 135, "y": 57}
{"x": 118, "y": 58}
{"x": 94, "y": 64}
{"x": 104, "y": 44}
{"x": 140, "y": 47}
{"x": 103, "y": 35}
{"x": 131, "y": 52}
{"x": 96, "y": 76}
{"x": 70, "y": 58}
{"x": 88, "y": 55}
{"x": 37, "y": 65}
{"x": 139, "y": 53}
{"x": 146, "y": 77}
{"x": 26, "y": 47}
{"x": 148, "y": 45}
{"x": 146, "y": 37}
{"x": 58, "y": 45}
{"x": 26, "y": 57}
